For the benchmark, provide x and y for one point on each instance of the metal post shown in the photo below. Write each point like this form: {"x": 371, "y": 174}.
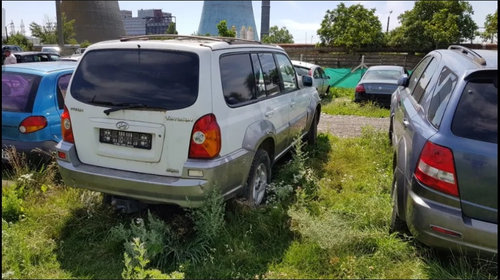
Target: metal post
{"x": 388, "y": 18}
{"x": 60, "y": 34}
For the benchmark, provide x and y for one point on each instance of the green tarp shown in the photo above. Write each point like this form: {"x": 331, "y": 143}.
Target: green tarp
{"x": 343, "y": 78}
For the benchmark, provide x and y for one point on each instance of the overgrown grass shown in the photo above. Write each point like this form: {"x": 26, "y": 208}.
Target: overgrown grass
{"x": 340, "y": 102}
{"x": 326, "y": 216}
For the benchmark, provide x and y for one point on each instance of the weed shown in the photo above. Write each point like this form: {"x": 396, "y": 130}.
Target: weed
{"x": 12, "y": 203}
{"x": 345, "y": 106}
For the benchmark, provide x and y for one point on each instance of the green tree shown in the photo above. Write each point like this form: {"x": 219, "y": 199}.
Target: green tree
{"x": 171, "y": 28}
{"x": 278, "y": 35}
{"x": 47, "y": 33}
{"x": 20, "y": 40}
{"x": 224, "y": 31}
{"x": 434, "y": 24}
{"x": 352, "y": 27}
{"x": 490, "y": 27}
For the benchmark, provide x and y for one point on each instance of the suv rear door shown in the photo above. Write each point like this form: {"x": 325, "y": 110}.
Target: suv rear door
{"x": 137, "y": 113}
{"x": 475, "y": 146}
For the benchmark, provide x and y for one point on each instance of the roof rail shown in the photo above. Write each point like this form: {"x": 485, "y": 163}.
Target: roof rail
{"x": 229, "y": 40}
{"x": 466, "y": 51}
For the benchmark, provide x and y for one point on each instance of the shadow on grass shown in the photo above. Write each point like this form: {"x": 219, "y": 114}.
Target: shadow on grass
{"x": 83, "y": 249}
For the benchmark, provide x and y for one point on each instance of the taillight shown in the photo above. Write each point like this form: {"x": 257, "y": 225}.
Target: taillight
{"x": 310, "y": 72}
{"x": 205, "y": 138}
{"x": 66, "y": 130}
{"x": 32, "y": 124}
{"x": 360, "y": 89}
{"x": 436, "y": 169}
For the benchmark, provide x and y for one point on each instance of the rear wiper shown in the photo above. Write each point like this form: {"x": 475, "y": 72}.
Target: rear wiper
{"x": 131, "y": 106}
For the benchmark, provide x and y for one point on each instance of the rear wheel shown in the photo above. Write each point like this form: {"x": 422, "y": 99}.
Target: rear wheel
{"x": 259, "y": 177}
{"x": 312, "y": 135}
{"x": 397, "y": 224}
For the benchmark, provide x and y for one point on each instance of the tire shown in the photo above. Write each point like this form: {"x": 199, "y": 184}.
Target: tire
{"x": 312, "y": 134}
{"x": 327, "y": 91}
{"x": 258, "y": 178}
{"x": 397, "y": 224}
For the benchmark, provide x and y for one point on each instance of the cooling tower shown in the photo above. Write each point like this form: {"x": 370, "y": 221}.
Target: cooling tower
{"x": 94, "y": 20}
{"x": 237, "y": 13}
{"x": 264, "y": 19}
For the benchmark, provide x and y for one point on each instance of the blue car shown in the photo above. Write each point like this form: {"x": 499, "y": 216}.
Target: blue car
{"x": 444, "y": 131}
{"x": 32, "y": 103}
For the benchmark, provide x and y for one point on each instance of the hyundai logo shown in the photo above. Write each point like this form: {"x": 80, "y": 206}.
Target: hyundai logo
{"x": 122, "y": 125}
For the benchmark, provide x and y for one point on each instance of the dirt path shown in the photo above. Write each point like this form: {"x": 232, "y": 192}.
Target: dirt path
{"x": 349, "y": 126}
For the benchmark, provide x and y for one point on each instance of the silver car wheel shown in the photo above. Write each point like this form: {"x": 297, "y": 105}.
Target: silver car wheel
{"x": 260, "y": 183}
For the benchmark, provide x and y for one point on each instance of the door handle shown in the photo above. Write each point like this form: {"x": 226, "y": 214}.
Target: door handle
{"x": 292, "y": 103}
{"x": 269, "y": 114}
{"x": 406, "y": 123}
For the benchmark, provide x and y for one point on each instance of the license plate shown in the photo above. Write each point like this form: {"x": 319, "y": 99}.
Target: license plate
{"x": 125, "y": 138}
{"x": 5, "y": 155}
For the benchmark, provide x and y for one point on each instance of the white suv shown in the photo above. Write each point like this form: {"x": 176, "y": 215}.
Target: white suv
{"x": 166, "y": 120}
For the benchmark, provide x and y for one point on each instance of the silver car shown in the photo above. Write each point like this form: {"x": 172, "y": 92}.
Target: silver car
{"x": 320, "y": 80}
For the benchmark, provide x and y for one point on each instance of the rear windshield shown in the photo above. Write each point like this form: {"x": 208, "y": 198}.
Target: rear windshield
{"x": 476, "y": 116}
{"x": 154, "y": 78}
{"x": 19, "y": 91}
{"x": 382, "y": 75}
{"x": 301, "y": 71}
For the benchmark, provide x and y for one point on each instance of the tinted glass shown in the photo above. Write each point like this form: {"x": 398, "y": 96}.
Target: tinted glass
{"x": 426, "y": 77}
{"x": 62, "y": 86}
{"x": 476, "y": 116}
{"x": 441, "y": 96}
{"x": 19, "y": 91}
{"x": 154, "y": 78}
{"x": 287, "y": 73}
{"x": 271, "y": 75}
{"x": 382, "y": 75}
{"x": 259, "y": 77}
{"x": 301, "y": 71}
{"x": 238, "y": 81}
{"x": 417, "y": 72}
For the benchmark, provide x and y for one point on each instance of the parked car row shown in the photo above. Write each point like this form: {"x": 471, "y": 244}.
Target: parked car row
{"x": 220, "y": 112}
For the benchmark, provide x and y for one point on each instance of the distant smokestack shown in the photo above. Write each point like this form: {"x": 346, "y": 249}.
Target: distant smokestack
{"x": 264, "y": 22}
{"x": 94, "y": 20}
{"x": 236, "y": 13}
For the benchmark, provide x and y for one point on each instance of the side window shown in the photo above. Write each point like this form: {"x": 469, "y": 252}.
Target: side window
{"x": 441, "y": 96}
{"x": 259, "y": 77}
{"x": 238, "y": 82}
{"x": 424, "y": 80}
{"x": 271, "y": 75}
{"x": 322, "y": 73}
{"x": 62, "y": 86}
{"x": 287, "y": 73}
{"x": 415, "y": 75}
{"x": 316, "y": 74}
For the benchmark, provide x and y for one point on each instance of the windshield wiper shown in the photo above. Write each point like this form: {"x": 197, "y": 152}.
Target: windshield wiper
{"x": 126, "y": 106}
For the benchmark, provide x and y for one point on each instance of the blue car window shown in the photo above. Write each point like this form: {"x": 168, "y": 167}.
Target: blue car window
{"x": 441, "y": 96}
{"x": 19, "y": 91}
{"x": 423, "y": 82}
{"x": 417, "y": 72}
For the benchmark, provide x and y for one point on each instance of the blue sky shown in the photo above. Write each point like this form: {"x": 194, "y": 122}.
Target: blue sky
{"x": 301, "y": 18}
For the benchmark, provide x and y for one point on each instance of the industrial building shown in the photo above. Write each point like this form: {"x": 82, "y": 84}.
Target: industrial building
{"x": 151, "y": 21}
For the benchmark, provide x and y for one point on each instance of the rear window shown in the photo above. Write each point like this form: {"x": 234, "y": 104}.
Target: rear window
{"x": 19, "y": 91}
{"x": 476, "y": 116}
{"x": 167, "y": 79}
{"x": 301, "y": 71}
{"x": 382, "y": 75}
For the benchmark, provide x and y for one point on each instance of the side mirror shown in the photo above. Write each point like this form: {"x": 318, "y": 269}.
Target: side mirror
{"x": 307, "y": 81}
{"x": 403, "y": 81}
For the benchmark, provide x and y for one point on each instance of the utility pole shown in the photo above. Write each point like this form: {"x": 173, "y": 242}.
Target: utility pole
{"x": 388, "y": 18}
{"x": 60, "y": 35}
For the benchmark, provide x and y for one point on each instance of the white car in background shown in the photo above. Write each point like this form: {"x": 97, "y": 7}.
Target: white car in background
{"x": 320, "y": 79}
{"x": 52, "y": 49}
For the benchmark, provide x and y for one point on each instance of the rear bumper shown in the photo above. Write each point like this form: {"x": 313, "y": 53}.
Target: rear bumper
{"x": 475, "y": 236}
{"x": 33, "y": 150}
{"x": 228, "y": 173}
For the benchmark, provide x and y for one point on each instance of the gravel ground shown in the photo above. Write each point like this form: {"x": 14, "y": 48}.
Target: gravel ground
{"x": 349, "y": 126}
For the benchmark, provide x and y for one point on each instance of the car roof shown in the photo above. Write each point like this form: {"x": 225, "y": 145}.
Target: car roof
{"x": 386, "y": 67}
{"x": 469, "y": 60}
{"x": 41, "y": 67}
{"x": 303, "y": 64}
{"x": 179, "y": 41}
{"x": 32, "y": 53}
